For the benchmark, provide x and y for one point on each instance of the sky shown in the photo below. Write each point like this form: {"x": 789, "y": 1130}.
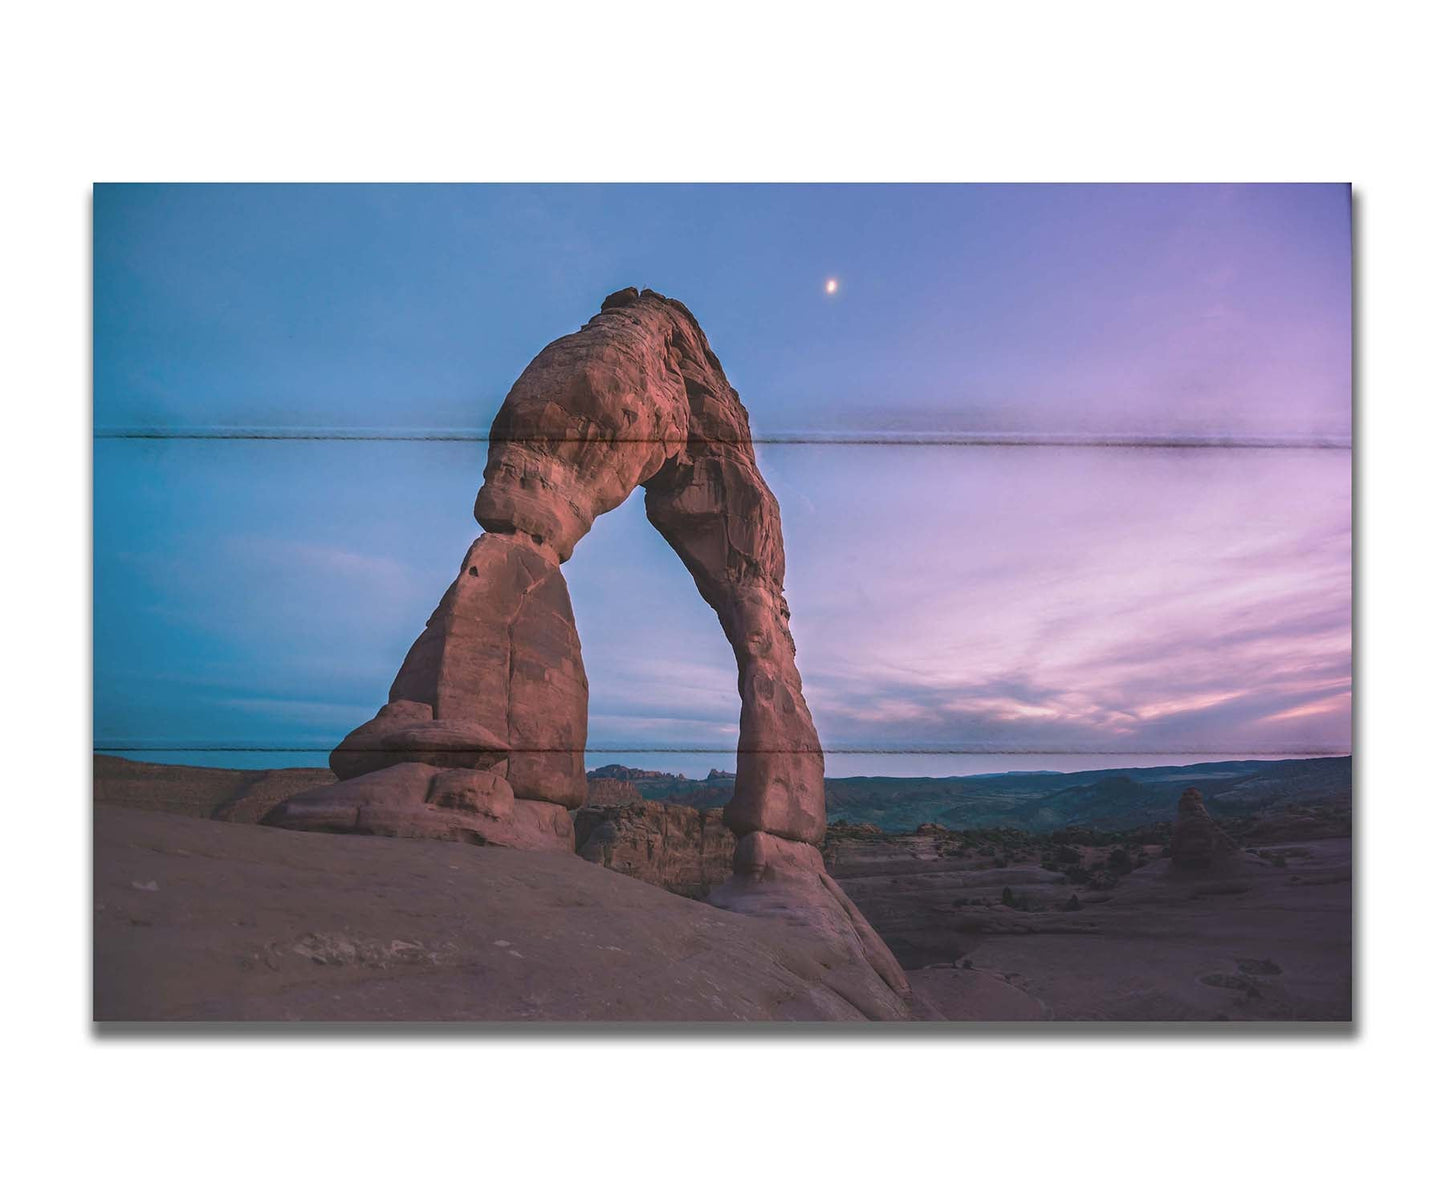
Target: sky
{"x": 960, "y": 603}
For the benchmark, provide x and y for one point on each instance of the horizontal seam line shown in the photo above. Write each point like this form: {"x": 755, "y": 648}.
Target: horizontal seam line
{"x": 720, "y": 751}
{"x": 877, "y": 439}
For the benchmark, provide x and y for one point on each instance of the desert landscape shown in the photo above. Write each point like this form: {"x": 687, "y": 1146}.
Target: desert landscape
{"x": 203, "y": 912}
{"x": 1064, "y": 607}
{"x": 483, "y": 735}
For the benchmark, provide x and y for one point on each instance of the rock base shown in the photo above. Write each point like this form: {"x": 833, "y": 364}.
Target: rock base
{"x": 786, "y": 880}
{"x": 475, "y": 806}
{"x": 409, "y": 731}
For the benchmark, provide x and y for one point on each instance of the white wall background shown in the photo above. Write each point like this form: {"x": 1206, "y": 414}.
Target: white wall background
{"x": 1113, "y": 91}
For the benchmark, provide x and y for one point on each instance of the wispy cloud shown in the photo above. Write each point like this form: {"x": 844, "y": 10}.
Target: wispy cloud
{"x": 1088, "y": 603}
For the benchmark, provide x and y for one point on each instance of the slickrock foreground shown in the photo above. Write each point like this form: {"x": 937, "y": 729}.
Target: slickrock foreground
{"x": 1063, "y": 930}
{"x": 482, "y": 736}
{"x": 196, "y": 920}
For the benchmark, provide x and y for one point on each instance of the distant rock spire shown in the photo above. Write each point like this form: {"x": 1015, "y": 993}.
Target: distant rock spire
{"x": 1198, "y": 843}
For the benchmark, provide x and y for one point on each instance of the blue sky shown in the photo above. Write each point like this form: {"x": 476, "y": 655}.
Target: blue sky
{"x": 1135, "y": 604}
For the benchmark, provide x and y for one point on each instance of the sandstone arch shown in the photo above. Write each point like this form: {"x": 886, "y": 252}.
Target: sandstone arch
{"x": 483, "y": 734}
{"x": 637, "y": 398}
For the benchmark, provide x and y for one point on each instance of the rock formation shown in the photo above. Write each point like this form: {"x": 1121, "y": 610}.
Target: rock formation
{"x": 494, "y": 687}
{"x": 1198, "y": 844}
{"x": 414, "y": 798}
{"x": 672, "y": 845}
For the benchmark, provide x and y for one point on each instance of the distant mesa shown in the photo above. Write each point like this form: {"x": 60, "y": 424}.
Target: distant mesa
{"x": 610, "y": 791}
{"x": 625, "y": 773}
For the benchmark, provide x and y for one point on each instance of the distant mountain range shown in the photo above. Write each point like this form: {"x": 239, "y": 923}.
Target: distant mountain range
{"x": 1110, "y": 799}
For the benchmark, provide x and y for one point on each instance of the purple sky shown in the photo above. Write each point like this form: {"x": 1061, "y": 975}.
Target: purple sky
{"x": 1029, "y": 600}
{"x": 1134, "y": 604}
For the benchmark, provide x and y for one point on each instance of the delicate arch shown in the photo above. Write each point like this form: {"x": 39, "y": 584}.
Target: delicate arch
{"x": 637, "y": 397}
{"x": 482, "y": 737}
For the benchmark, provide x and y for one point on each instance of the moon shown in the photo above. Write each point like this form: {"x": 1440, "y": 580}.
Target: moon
{"x": 830, "y": 287}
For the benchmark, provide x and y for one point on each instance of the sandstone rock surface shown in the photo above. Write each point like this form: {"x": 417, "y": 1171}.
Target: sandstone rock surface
{"x": 257, "y": 924}
{"x": 412, "y": 799}
{"x": 786, "y": 879}
{"x": 501, "y": 654}
{"x": 409, "y": 731}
